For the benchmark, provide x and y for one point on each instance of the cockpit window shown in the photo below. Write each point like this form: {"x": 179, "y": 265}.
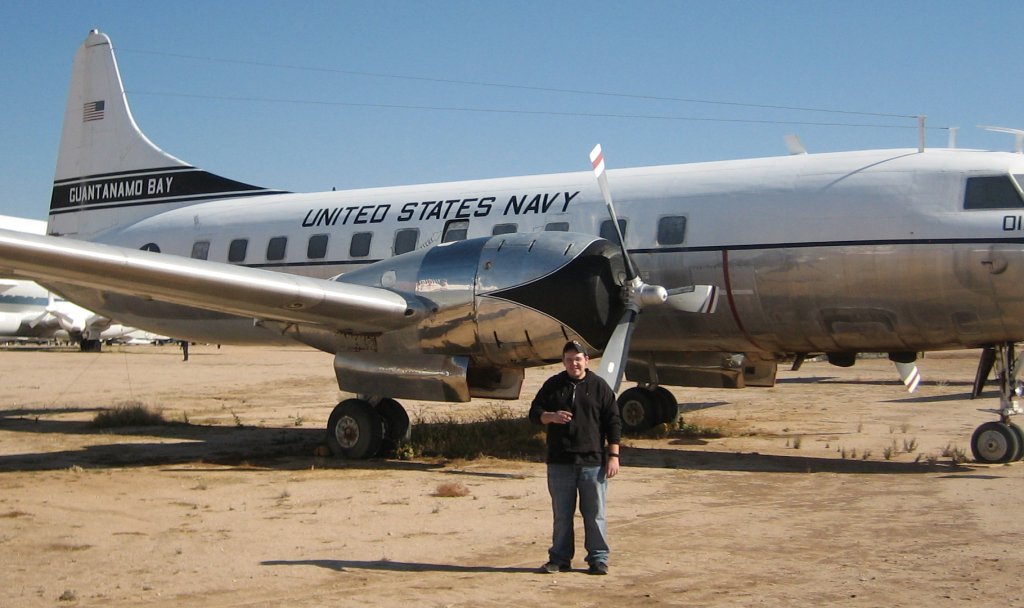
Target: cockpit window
{"x": 991, "y": 192}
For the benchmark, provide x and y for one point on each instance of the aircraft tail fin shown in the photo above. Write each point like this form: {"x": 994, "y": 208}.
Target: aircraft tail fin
{"x": 108, "y": 171}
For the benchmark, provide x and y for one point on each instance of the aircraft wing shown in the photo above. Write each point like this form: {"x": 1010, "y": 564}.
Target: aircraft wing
{"x": 248, "y": 292}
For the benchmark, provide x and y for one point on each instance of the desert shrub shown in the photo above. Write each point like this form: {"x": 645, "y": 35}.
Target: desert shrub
{"x": 128, "y": 414}
{"x": 451, "y": 489}
{"x": 501, "y": 434}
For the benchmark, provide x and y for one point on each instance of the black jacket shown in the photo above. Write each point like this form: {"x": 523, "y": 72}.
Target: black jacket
{"x": 595, "y": 418}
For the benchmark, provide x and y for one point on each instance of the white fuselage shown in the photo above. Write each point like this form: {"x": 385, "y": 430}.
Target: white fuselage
{"x": 857, "y": 251}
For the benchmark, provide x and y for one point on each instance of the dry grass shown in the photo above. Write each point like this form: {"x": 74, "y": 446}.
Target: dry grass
{"x": 67, "y": 547}
{"x": 129, "y": 415}
{"x": 501, "y": 434}
{"x": 451, "y": 489}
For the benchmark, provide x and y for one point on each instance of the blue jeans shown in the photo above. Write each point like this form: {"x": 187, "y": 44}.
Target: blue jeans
{"x": 565, "y": 483}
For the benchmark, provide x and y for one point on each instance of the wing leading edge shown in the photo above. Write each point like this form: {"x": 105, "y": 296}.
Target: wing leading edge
{"x": 248, "y": 292}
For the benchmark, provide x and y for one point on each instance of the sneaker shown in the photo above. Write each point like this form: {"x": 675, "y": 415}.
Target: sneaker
{"x": 600, "y": 568}
{"x": 552, "y": 568}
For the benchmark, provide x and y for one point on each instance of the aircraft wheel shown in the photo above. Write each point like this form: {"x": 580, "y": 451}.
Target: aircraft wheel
{"x": 640, "y": 410}
{"x": 668, "y": 403}
{"x": 396, "y": 424}
{"x": 994, "y": 443}
{"x": 354, "y": 430}
{"x": 1020, "y": 441}
{"x": 90, "y": 346}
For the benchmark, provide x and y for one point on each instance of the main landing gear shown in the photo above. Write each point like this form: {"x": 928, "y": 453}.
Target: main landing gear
{"x": 643, "y": 407}
{"x": 1000, "y": 441}
{"x": 364, "y": 428}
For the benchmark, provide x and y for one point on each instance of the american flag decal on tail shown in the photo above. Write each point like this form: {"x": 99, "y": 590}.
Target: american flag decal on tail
{"x": 93, "y": 110}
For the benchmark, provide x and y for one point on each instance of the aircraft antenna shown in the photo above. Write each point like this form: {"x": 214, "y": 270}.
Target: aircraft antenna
{"x": 1018, "y": 135}
{"x": 952, "y": 136}
{"x": 920, "y": 133}
{"x": 794, "y": 145}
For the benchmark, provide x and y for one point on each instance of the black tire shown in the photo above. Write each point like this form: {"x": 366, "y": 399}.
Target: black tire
{"x": 396, "y": 424}
{"x": 640, "y": 410}
{"x": 91, "y": 346}
{"x": 668, "y": 403}
{"x": 1020, "y": 441}
{"x": 354, "y": 430}
{"x": 994, "y": 443}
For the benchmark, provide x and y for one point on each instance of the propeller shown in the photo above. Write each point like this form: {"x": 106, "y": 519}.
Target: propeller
{"x": 51, "y": 312}
{"x": 907, "y": 369}
{"x": 636, "y": 294}
{"x": 909, "y": 374}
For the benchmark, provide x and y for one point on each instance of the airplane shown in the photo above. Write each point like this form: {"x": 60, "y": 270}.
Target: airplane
{"x": 449, "y": 291}
{"x": 30, "y": 312}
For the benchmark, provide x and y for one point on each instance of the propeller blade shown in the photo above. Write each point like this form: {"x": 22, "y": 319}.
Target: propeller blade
{"x": 40, "y": 318}
{"x": 694, "y": 298}
{"x": 985, "y": 363}
{"x": 613, "y": 360}
{"x": 597, "y": 162}
{"x": 909, "y": 375}
{"x": 636, "y": 294}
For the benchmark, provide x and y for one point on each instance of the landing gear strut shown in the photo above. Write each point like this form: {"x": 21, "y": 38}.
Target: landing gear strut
{"x": 1003, "y": 441}
{"x": 357, "y": 429}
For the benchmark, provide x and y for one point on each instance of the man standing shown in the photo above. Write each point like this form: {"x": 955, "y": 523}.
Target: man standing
{"x": 581, "y": 415}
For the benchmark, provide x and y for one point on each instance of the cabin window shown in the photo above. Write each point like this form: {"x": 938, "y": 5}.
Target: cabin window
{"x": 995, "y": 192}
{"x": 671, "y": 230}
{"x": 608, "y": 231}
{"x": 557, "y": 227}
{"x": 455, "y": 230}
{"x": 237, "y": 250}
{"x": 360, "y": 246}
{"x": 316, "y": 248}
{"x": 406, "y": 239}
{"x": 201, "y": 250}
{"x": 276, "y": 248}
{"x": 151, "y": 247}
{"x": 504, "y": 229}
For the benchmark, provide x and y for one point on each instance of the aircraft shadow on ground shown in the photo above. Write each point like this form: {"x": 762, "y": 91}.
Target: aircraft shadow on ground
{"x": 248, "y": 447}
{"x": 982, "y": 400}
{"x": 754, "y": 462}
{"x": 895, "y": 382}
{"x": 702, "y": 405}
{"x": 342, "y": 565}
{"x": 290, "y": 448}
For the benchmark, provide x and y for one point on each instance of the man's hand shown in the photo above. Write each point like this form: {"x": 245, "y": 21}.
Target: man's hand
{"x": 613, "y": 468}
{"x": 559, "y": 417}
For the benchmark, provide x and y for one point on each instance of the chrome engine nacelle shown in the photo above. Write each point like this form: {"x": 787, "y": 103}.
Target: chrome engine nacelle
{"x": 495, "y": 300}
{"x": 496, "y": 305}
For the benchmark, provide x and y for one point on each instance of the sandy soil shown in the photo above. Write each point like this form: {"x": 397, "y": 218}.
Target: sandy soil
{"x": 798, "y": 506}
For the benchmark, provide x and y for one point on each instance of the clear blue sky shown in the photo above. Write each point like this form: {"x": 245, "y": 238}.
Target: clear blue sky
{"x": 315, "y": 84}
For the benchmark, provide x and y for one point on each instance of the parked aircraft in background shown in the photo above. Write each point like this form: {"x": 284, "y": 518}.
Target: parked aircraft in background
{"x": 30, "y": 312}
{"x": 448, "y": 291}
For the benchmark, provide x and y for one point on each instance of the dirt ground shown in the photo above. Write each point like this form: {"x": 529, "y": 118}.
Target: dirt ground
{"x": 835, "y": 487}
